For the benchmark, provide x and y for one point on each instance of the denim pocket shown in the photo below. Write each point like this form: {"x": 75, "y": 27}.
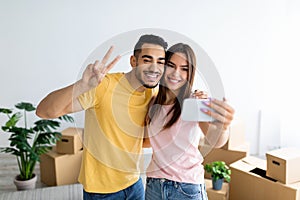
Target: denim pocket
{"x": 190, "y": 190}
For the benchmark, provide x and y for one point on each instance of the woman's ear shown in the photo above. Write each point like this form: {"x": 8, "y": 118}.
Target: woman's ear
{"x": 133, "y": 61}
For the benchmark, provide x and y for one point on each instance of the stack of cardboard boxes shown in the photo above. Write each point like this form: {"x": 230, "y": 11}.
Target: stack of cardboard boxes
{"x": 216, "y": 194}
{"x": 235, "y": 149}
{"x": 61, "y": 165}
{"x": 276, "y": 178}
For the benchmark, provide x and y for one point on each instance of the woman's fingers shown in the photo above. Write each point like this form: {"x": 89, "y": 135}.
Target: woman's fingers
{"x": 198, "y": 94}
{"x": 222, "y": 112}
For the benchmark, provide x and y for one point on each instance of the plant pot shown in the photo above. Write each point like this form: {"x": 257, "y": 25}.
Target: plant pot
{"x": 217, "y": 184}
{"x": 25, "y": 185}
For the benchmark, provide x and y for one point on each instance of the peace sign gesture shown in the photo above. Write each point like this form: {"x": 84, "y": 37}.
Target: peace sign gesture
{"x": 94, "y": 73}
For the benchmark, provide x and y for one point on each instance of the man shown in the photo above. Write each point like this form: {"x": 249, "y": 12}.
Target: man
{"x": 115, "y": 107}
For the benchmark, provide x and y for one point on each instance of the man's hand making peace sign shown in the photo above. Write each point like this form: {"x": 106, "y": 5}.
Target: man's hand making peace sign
{"x": 65, "y": 100}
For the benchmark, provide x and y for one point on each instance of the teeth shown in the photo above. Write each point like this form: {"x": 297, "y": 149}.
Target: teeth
{"x": 152, "y": 76}
{"x": 174, "y": 80}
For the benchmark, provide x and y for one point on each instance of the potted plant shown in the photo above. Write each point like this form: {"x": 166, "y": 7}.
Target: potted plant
{"x": 219, "y": 171}
{"x": 27, "y": 143}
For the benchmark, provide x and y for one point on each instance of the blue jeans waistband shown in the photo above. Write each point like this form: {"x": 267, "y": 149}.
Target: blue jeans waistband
{"x": 164, "y": 180}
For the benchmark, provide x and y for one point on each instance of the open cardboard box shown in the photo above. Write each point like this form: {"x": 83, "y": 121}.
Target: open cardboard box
{"x": 249, "y": 182}
{"x": 228, "y": 156}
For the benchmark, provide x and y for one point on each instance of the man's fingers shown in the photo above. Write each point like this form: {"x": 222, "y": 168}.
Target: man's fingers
{"x": 111, "y": 64}
{"x": 96, "y": 67}
{"x": 99, "y": 69}
{"x": 107, "y": 55}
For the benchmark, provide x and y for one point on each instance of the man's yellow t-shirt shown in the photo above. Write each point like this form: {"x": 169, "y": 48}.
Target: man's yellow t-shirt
{"x": 113, "y": 134}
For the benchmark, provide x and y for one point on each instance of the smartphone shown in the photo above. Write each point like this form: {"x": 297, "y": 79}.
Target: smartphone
{"x": 191, "y": 110}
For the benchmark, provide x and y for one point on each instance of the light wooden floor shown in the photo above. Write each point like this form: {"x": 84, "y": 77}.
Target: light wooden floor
{"x": 9, "y": 169}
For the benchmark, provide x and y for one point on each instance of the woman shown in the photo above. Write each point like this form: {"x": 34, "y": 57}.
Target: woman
{"x": 176, "y": 170}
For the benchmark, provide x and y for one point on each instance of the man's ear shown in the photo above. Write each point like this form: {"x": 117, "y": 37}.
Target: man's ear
{"x": 133, "y": 61}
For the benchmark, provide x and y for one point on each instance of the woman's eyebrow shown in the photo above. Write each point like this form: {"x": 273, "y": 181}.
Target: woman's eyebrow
{"x": 169, "y": 62}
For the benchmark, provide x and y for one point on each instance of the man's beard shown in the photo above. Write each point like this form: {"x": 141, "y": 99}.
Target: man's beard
{"x": 150, "y": 86}
{"x": 143, "y": 83}
{"x": 146, "y": 85}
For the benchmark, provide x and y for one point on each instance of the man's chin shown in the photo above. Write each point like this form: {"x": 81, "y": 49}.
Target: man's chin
{"x": 150, "y": 86}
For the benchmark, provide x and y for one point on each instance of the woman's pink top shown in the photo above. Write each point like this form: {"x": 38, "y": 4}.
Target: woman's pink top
{"x": 175, "y": 150}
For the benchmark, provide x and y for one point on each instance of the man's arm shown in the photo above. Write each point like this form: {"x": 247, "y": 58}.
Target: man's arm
{"x": 61, "y": 102}
{"x": 65, "y": 100}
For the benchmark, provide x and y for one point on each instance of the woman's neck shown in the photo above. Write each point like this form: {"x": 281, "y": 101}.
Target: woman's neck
{"x": 170, "y": 98}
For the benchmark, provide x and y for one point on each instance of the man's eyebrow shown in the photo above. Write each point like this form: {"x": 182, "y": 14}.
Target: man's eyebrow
{"x": 147, "y": 56}
{"x": 151, "y": 57}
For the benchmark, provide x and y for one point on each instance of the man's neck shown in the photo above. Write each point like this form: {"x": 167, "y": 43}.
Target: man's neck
{"x": 135, "y": 84}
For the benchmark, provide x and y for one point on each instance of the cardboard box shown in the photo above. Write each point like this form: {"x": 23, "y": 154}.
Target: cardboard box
{"x": 71, "y": 141}
{"x": 216, "y": 194}
{"x": 249, "y": 181}
{"x": 60, "y": 169}
{"x": 237, "y": 133}
{"x": 283, "y": 165}
{"x": 228, "y": 156}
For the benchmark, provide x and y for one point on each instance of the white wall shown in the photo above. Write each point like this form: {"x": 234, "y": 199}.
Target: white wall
{"x": 44, "y": 44}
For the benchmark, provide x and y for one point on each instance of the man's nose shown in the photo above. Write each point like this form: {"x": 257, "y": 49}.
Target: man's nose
{"x": 153, "y": 67}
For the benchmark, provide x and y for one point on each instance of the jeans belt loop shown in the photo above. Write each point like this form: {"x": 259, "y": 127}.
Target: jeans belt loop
{"x": 176, "y": 184}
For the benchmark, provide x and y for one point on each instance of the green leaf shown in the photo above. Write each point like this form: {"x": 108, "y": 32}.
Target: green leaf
{"x": 13, "y": 120}
{"x": 67, "y": 118}
{"x": 27, "y": 143}
{"x": 47, "y": 138}
{"x": 10, "y": 150}
{"x": 218, "y": 170}
{"x": 46, "y": 125}
{"x": 5, "y": 111}
{"x": 25, "y": 106}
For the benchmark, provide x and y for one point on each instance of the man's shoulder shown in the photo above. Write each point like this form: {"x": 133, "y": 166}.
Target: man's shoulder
{"x": 112, "y": 78}
{"x": 116, "y": 75}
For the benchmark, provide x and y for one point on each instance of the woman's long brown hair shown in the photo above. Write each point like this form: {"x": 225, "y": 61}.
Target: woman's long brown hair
{"x": 185, "y": 90}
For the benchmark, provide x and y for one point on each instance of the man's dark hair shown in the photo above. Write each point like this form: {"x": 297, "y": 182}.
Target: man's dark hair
{"x": 151, "y": 39}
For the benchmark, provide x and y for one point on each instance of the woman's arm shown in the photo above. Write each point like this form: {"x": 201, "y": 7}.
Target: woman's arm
{"x": 216, "y": 132}
{"x": 146, "y": 143}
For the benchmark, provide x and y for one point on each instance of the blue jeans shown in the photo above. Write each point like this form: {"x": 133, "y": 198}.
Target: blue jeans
{"x": 159, "y": 188}
{"x": 133, "y": 192}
